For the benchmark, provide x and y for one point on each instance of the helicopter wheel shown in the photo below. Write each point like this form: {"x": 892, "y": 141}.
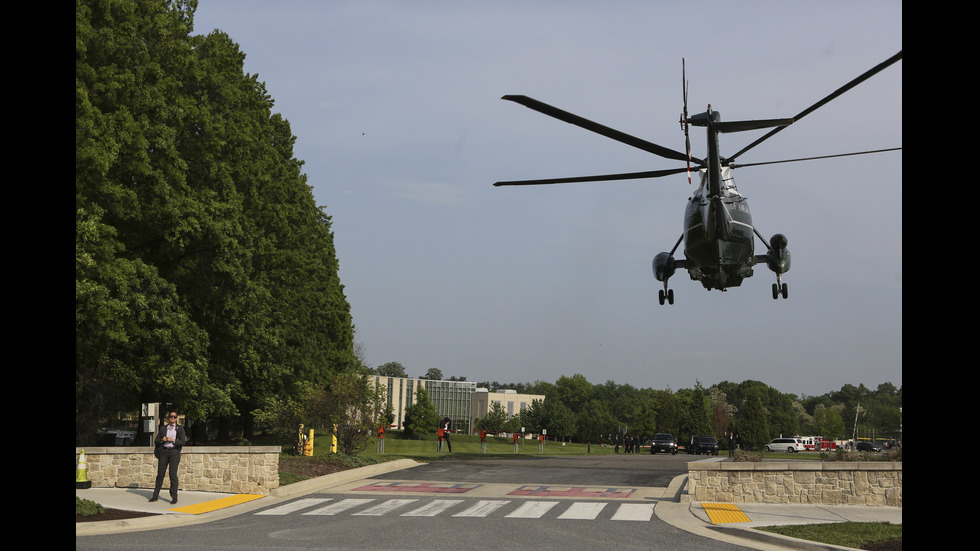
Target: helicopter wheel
{"x": 778, "y": 290}
{"x": 667, "y": 296}
{"x": 662, "y": 297}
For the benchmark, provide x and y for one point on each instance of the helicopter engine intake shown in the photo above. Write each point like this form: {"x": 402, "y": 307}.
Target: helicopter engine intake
{"x": 663, "y": 266}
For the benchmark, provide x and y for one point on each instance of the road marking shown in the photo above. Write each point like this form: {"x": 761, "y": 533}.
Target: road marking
{"x": 386, "y": 507}
{"x": 339, "y": 507}
{"x": 532, "y": 509}
{"x": 216, "y": 504}
{"x": 294, "y": 506}
{"x": 432, "y": 509}
{"x": 634, "y": 511}
{"x": 482, "y": 508}
{"x": 582, "y": 511}
{"x": 572, "y": 491}
{"x": 529, "y": 509}
{"x": 427, "y": 487}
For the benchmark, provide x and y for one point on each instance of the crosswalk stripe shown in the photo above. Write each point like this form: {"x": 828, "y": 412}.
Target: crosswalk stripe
{"x": 634, "y": 511}
{"x": 582, "y": 511}
{"x": 532, "y": 509}
{"x": 386, "y": 507}
{"x": 482, "y": 508}
{"x": 432, "y": 509}
{"x": 294, "y": 506}
{"x": 339, "y": 507}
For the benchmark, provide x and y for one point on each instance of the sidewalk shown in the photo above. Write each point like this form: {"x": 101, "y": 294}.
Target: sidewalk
{"x": 692, "y": 517}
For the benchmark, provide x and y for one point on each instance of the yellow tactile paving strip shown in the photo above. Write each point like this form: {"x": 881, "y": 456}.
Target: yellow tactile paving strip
{"x": 216, "y": 504}
{"x": 724, "y": 513}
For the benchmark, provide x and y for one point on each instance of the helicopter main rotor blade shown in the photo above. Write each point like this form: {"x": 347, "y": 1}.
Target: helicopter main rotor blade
{"x": 733, "y": 165}
{"x": 598, "y": 128}
{"x": 599, "y": 178}
{"x": 865, "y": 76}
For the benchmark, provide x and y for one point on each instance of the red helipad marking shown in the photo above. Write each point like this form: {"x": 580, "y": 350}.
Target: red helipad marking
{"x": 572, "y": 491}
{"x": 428, "y": 487}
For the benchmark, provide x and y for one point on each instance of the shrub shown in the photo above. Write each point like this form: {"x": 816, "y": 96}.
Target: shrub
{"x": 87, "y": 508}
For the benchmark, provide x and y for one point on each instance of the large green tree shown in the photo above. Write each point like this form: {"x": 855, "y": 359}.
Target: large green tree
{"x": 194, "y": 206}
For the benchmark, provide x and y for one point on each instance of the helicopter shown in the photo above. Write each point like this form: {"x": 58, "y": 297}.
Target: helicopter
{"x": 718, "y": 236}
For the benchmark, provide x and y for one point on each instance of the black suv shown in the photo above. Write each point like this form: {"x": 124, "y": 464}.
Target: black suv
{"x": 663, "y": 442}
{"x": 868, "y": 447}
{"x": 703, "y": 444}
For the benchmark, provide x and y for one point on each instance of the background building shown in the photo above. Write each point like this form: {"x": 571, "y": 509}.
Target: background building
{"x": 512, "y": 402}
{"x": 460, "y": 401}
{"x": 449, "y": 398}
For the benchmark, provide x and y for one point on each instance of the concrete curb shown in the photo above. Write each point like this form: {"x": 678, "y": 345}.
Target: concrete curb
{"x": 778, "y": 540}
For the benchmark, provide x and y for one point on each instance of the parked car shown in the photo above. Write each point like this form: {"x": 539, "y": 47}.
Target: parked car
{"x": 868, "y": 447}
{"x": 791, "y": 445}
{"x": 664, "y": 442}
{"x": 703, "y": 444}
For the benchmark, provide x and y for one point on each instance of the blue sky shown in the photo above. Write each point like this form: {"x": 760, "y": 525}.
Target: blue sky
{"x": 397, "y": 112}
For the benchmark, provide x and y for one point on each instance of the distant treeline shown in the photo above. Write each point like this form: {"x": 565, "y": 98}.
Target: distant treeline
{"x": 584, "y": 411}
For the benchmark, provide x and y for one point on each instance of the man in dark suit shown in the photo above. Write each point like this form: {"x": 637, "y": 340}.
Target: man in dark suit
{"x": 169, "y": 440}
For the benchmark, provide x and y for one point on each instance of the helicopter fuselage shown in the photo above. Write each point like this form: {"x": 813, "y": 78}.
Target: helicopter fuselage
{"x": 719, "y": 245}
{"x": 719, "y": 242}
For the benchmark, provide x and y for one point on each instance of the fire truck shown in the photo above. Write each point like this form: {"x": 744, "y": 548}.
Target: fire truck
{"x": 817, "y": 443}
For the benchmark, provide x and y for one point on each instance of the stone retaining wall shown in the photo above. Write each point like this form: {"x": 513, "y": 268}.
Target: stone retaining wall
{"x": 797, "y": 482}
{"x": 230, "y": 469}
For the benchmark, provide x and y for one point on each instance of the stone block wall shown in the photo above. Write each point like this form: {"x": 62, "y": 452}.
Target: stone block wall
{"x": 228, "y": 469}
{"x": 798, "y": 482}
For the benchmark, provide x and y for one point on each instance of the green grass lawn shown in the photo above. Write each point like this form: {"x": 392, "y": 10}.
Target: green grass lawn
{"x": 857, "y": 535}
{"x": 468, "y": 446}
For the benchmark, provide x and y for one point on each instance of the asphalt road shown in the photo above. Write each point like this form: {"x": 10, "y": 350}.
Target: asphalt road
{"x": 644, "y": 470}
{"x": 572, "y": 504}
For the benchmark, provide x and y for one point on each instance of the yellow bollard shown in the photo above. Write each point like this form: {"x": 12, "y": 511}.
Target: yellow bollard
{"x": 81, "y": 478}
{"x": 309, "y": 445}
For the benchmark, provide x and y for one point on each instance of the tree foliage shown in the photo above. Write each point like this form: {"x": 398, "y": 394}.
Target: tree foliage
{"x": 751, "y": 409}
{"x": 420, "y": 417}
{"x": 433, "y": 374}
{"x": 391, "y": 369}
{"x": 206, "y": 275}
{"x": 495, "y": 419}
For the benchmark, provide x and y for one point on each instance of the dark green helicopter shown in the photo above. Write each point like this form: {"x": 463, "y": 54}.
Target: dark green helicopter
{"x": 718, "y": 236}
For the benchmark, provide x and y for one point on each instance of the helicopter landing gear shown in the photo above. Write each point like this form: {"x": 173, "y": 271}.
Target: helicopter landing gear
{"x": 779, "y": 289}
{"x": 668, "y": 295}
